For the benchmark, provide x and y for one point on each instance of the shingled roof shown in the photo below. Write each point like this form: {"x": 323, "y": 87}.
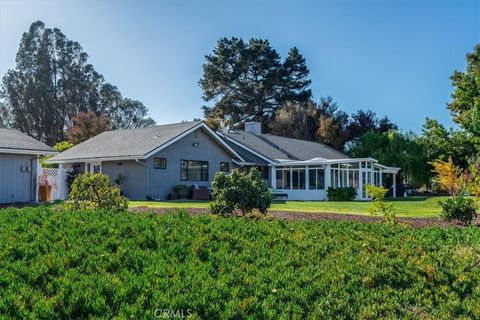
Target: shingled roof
{"x": 14, "y": 141}
{"x": 130, "y": 143}
{"x": 278, "y": 149}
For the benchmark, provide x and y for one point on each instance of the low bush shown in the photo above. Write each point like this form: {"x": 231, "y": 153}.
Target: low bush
{"x": 379, "y": 206}
{"x": 95, "y": 264}
{"x": 341, "y": 194}
{"x": 459, "y": 208}
{"x": 94, "y": 191}
{"x": 180, "y": 191}
{"x": 237, "y": 191}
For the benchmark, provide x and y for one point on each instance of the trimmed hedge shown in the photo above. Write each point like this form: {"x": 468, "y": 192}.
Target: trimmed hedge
{"x": 57, "y": 264}
{"x": 341, "y": 194}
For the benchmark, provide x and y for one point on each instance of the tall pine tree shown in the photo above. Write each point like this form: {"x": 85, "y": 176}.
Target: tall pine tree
{"x": 249, "y": 81}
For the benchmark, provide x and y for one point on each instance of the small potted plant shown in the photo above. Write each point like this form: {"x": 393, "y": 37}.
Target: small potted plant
{"x": 45, "y": 187}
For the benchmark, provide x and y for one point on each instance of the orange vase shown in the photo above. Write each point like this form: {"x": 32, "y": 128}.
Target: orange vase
{"x": 45, "y": 193}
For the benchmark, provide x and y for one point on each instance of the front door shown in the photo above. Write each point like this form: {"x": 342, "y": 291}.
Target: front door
{"x": 366, "y": 179}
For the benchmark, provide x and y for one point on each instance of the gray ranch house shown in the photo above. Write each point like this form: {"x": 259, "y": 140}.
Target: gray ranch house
{"x": 155, "y": 159}
{"x": 19, "y": 166}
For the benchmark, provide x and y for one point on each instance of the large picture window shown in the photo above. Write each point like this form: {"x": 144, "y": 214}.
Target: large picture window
{"x": 193, "y": 170}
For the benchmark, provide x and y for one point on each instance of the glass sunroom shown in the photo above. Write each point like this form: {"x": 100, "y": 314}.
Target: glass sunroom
{"x": 309, "y": 180}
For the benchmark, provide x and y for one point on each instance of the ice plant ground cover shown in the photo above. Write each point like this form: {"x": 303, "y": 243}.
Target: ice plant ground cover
{"x": 78, "y": 264}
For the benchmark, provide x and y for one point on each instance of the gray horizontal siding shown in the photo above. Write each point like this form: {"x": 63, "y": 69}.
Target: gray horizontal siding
{"x": 161, "y": 181}
{"x": 133, "y": 186}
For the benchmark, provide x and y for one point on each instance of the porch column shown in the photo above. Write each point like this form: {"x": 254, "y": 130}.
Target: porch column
{"x": 86, "y": 168}
{"x": 307, "y": 179}
{"x": 328, "y": 178}
{"x": 394, "y": 185}
{"x": 273, "y": 177}
{"x": 348, "y": 175}
{"x": 39, "y": 167}
{"x": 381, "y": 178}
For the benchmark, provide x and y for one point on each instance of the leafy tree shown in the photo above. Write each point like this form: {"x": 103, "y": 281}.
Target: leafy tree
{"x": 465, "y": 107}
{"x": 397, "y": 149}
{"x": 62, "y": 146}
{"x": 312, "y": 121}
{"x": 450, "y": 177}
{"x": 87, "y": 125}
{"x": 59, "y": 147}
{"x": 248, "y": 80}
{"x": 363, "y": 121}
{"x": 332, "y": 127}
{"x": 295, "y": 121}
{"x": 52, "y": 82}
{"x": 441, "y": 143}
{"x": 124, "y": 113}
{"x": 473, "y": 177}
{"x": 436, "y": 140}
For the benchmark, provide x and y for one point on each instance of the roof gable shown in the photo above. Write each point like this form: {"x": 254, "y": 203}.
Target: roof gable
{"x": 132, "y": 143}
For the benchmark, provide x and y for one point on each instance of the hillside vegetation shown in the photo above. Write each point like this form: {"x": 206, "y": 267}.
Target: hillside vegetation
{"x": 60, "y": 264}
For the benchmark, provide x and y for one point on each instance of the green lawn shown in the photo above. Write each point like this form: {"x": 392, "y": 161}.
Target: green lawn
{"x": 410, "y": 207}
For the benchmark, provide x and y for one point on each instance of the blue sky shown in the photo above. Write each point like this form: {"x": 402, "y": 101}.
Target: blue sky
{"x": 393, "y": 57}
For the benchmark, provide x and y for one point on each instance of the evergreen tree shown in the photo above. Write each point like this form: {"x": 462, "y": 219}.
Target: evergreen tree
{"x": 248, "y": 81}
{"x": 53, "y": 82}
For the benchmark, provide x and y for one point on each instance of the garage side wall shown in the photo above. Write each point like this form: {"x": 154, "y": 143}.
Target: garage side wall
{"x": 17, "y": 178}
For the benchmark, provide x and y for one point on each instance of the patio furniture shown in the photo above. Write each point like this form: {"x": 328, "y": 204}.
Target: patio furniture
{"x": 200, "y": 193}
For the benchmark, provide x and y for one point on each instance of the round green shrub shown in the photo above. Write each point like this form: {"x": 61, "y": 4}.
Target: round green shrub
{"x": 239, "y": 191}
{"x": 459, "y": 208}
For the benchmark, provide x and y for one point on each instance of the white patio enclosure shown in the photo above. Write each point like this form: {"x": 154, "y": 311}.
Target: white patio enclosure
{"x": 309, "y": 180}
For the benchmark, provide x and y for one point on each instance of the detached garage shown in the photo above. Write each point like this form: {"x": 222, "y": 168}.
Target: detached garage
{"x": 19, "y": 155}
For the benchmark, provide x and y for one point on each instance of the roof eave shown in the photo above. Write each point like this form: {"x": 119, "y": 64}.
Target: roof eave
{"x": 93, "y": 159}
{"x": 28, "y": 151}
